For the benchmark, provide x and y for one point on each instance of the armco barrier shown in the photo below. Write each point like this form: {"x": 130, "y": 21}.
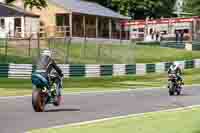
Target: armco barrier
{"x": 4, "y": 68}
{"x": 195, "y": 46}
{"x": 25, "y": 70}
{"x": 173, "y": 44}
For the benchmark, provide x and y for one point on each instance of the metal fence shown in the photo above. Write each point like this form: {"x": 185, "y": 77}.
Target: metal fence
{"x": 91, "y": 52}
{"x": 13, "y": 50}
{"x": 66, "y": 51}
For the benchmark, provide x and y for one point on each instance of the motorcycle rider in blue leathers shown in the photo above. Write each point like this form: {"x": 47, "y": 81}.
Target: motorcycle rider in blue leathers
{"x": 46, "y": 65}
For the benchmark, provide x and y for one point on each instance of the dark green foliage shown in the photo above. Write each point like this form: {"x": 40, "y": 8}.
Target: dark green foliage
{"x": 140, "y": 8}
{"x": 32, "y": 3}
{"x": 192, "y": 6}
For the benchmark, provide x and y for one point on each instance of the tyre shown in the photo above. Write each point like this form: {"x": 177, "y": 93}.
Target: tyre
{"x": 171, "y": 89}
{"x": 38, "y": 102}
{"x": 178, "y": 93}
{"x": 57, "y": 101}
{"x": 171, "y": 93}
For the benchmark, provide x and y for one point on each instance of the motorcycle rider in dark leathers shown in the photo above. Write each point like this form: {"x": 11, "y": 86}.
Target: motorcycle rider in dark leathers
{"x": 46, "y": 65}
{"x": 176, "y": 69}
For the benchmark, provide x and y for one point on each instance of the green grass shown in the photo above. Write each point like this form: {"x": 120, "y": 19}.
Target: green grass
{"x": 18, "y": 56}
{"x": 185, "y": 121}
{"x": 149, "y": 54}
{"x": 105, "y": 54}
{"x": 23, "y": 86}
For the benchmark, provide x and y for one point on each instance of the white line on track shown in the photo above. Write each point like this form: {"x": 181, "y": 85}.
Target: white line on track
{"x": 99, "y": 92}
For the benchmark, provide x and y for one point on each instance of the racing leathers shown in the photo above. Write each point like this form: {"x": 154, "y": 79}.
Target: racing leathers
{"x": 177, "y": 71}
{"x": 46, "y": 65}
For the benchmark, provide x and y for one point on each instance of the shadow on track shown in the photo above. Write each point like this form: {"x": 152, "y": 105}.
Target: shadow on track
{"x": 63, "y": 110}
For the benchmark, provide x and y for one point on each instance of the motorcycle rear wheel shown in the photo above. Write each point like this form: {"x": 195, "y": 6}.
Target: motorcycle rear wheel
{"x": 178, "y": 93}
{"x": 58, "y": 101}
{"x": 57, "y": 98}
{"x": 38, "y": 102}
{"x": 171, "y": 93}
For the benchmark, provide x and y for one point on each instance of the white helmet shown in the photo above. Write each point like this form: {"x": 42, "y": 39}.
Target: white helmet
{"x": 176, "y": 65}
{"x": 46, "y": 52}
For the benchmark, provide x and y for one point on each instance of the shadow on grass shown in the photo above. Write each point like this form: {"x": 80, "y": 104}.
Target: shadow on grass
{"x": 198, "y": 131}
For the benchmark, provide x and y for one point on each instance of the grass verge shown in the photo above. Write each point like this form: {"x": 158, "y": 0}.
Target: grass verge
{"x": 13, "y": 87}
{"x": 184, "y": 121}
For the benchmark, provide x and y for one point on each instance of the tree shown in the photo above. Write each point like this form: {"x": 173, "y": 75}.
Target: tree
{"x": 32, "y": 3}
{"x": 140, "y": 8}
{"x": 192, "y": 6}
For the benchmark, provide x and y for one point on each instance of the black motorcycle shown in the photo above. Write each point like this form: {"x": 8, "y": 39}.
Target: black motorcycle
{"x": 174, "y": 85}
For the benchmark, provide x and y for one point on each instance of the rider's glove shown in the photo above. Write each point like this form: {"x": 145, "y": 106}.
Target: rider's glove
{"x": 62, "y": 75}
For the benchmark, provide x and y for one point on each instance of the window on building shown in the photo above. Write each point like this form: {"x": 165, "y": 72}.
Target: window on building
{"x": 61, "y": 20}
{"x": 18, "y": 24}
{"x": 141, "y": 29}
{"x": 186, "y": 30}
{"x": 2, "y": 23}
{"x": 134, "y": 30}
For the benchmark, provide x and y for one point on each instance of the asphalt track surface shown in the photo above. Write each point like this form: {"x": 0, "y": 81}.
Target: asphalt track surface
{"x": 17, "y": 115}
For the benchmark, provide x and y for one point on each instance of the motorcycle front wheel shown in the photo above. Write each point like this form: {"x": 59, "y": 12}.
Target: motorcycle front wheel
{"x": 38, "y": 101}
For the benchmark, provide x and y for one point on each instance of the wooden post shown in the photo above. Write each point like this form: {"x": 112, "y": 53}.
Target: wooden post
{"x": 110, "y": 28}
{"x": 70, "y": 25}
{"x": 97, "y": 27}
{"x": 84, "y": 26}
{"x": 129, "y": 30}
{"x": 38, "y": 44}
{"x": 29, "y": 46}
{"x": 84, "y": 35}
{"x": 6, "y": 48}
{"x": 120, "y": 34}
{"x": 68, "y": 49}
{"x": 194, "y": 23}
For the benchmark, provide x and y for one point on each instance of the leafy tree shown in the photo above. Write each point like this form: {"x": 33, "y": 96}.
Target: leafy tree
{"x": 32, "y": 3}
{"x": 141, "y": 8}
{"x": 192, "y": 6}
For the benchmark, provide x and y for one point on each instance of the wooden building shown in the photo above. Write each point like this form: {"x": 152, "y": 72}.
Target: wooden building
{"x": 15, "y": 22}
{"x": 79, "y": 18}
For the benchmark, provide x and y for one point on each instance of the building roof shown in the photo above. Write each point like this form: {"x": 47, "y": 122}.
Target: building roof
{"x": 90, "y": 8}
{"x": 13, "y": 11}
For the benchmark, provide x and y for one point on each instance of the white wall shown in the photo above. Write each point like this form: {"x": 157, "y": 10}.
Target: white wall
{"x": 9, "y": 27}
{"x": 22, "y": 26}
{"x": 31, "y": 26}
